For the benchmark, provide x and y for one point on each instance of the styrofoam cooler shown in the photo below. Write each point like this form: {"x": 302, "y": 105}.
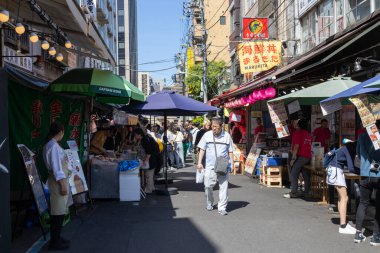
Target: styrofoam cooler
{"x": 129, "y": 182}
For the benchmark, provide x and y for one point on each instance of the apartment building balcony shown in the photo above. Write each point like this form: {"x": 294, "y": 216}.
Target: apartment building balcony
{"x": 70, "y": 18}
{"x": 13, "y": 40}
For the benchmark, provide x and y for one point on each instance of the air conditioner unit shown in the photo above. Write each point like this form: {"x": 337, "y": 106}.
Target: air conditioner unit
{"x": 85, "y": 9}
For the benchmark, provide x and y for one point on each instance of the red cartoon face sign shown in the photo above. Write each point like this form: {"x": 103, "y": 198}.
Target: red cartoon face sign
{"x": 255, "y": 28}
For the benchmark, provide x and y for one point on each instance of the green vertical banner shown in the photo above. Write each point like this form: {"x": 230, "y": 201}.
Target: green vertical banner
{"x": 30, "y": 114}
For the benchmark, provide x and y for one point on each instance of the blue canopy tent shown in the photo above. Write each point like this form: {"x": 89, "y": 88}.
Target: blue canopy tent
{"x": 361, "y": 88}
{"x": 168, "y": 103}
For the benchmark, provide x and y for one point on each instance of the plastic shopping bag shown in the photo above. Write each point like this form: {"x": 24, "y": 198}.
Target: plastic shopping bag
{"x": 199, "y": 176}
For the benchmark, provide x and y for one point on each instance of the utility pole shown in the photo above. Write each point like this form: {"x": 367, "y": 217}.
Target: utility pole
{"x": 204, "y": 51}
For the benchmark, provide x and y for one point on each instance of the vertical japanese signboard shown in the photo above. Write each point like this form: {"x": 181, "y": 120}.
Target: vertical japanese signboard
{"x": 364, "y": 109}
{"x": 255, "y": 28}
{"x": 259, "y": 56}
{"x": 30, "y": 115}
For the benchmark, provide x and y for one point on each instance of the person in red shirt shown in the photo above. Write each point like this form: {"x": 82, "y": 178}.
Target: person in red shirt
{"x": 360, "y": 130}
{"x": 322, "y": 134}
{"x": 259, "y": 128}
{"x": 301, "y": 155}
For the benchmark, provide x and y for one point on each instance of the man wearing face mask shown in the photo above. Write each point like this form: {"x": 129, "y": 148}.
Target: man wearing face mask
{"x": 215, "y": 143}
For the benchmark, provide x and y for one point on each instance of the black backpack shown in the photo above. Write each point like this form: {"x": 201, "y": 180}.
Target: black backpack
{"x": 154, "y": 145}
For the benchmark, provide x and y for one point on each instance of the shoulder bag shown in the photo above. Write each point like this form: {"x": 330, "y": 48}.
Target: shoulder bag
{"x": 221, "y": 163}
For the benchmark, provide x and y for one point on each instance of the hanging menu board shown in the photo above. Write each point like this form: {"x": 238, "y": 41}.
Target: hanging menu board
{"x": 373, "y": 133}
{"x": 364, "y": 109}
{"x": 375, "y": 108}
{"x": 282, "y": 129}
{"x": 77, "y": 181}
{"x": 34, "y": 179}
{"x": 251, "y": 161}
{"x": 277, "y": 111}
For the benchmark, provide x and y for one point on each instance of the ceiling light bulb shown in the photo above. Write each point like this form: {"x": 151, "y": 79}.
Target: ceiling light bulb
{"x": 20, "y": 29}
{"x": 68, "y": 44}
{"x": 357, "y": 66}
{"x": 59, "y": 57}
{"x": 33, "y": 37}
{"x": 52, "y": 51}
{"x": 45, "y": 45}
{"x": 4, "y": 16}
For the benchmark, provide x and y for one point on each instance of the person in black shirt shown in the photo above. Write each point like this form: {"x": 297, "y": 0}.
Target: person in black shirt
{"x": 206, "y": 127}
{"x": 146, "y": 153}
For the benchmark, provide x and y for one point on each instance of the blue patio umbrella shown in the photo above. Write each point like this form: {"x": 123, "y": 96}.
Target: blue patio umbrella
{"x": 361, "y": 88}
{"x": 169, "y": 103}
{"x": 373, "y": 82}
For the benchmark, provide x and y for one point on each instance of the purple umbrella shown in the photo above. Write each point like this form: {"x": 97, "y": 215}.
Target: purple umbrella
{"x": 169, "y": 103}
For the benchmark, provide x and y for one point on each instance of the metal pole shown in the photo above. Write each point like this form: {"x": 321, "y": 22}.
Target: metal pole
{"x": 204, "y": 42}
{"x": 165, "y": 151}
{"x": 1, "y": 46}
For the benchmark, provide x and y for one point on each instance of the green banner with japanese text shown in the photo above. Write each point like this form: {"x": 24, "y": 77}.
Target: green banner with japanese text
{"x": 30, "y": 114}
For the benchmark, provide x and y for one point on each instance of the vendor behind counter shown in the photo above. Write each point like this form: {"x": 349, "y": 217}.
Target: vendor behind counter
{"x": 99, "y": 139}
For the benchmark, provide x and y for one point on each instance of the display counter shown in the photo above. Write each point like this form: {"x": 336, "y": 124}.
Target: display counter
{"x": 107, "y": 182}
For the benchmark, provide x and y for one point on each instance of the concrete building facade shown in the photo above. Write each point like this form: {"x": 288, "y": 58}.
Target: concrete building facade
{"x": 217, "y": 23}
{"x": 127, "y": 40}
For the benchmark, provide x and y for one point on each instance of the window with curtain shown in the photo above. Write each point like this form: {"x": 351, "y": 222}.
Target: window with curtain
{"x": 308, "y": 23}
{"x": 339, "y": 16}
{"x": 222, "y": 20}
{"x": 325, "y": 20}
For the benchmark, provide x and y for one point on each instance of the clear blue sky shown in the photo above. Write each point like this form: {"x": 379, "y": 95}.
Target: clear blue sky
{"x": 160, "y": 28}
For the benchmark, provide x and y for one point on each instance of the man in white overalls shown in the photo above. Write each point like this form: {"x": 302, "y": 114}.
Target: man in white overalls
{"x": 220, "y": 141}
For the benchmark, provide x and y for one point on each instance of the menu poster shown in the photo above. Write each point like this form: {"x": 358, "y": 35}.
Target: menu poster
{"x": 277, "y": 111}
{"x": 364, "y": 110}
{"x": 294, "y": 107}
{"x": 331, "y": 106}
{"x": 374, "y": 135}
{"x": 34, "y": 179}
{"x": 77, "y": 181}
{"x": 72, "y": 145}
{"x": 282, "y": 129}
{"x": 250, "y": 163}
{"x": 375, "y": 108}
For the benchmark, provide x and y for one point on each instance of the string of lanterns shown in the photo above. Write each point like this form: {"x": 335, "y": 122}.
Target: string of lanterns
{"x": 256, "y": 95}
{"x": 33, "y": 36}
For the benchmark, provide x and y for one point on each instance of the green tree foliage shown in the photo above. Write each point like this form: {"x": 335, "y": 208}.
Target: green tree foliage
{"x": 193, "y": 80}
{"x": 198, "y": 119}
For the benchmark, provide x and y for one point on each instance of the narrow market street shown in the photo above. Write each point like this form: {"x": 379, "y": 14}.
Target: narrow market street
{"x": 259, "y": 220}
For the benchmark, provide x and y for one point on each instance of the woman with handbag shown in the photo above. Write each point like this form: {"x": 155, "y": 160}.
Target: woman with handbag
{"x": 146, "y": 157}
{"x": 335, "y": 177}
{"x": 178, "y": 148}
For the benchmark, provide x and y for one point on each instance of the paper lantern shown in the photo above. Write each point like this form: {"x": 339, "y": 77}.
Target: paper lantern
{"x": 255, "y": 95}
{"x": 245, "y": 100}
{"x": 251, "y": 101}
{"x": 270, "y": 92}
{"x": 262, "y": 95}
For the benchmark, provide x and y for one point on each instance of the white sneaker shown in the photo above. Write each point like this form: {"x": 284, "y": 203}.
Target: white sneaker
{"x": 348, "y": 230}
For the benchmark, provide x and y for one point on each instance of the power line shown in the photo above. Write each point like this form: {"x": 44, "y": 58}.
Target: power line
{"x": 208, "y": 21}
{"x": 149, "y": 71}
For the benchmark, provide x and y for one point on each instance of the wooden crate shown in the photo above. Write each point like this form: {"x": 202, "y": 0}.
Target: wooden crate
{"x": 272, "y": 181}
{"x": 272, "y": 170}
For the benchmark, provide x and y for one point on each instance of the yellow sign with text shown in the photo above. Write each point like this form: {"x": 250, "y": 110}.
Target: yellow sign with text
{"x": 259, "y": 56}
{"x": 190, "y": 58}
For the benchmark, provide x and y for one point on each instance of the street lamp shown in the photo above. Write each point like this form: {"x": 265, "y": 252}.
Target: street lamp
{"x": 4, "y": 16}
{"x": 20, "y": 29}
